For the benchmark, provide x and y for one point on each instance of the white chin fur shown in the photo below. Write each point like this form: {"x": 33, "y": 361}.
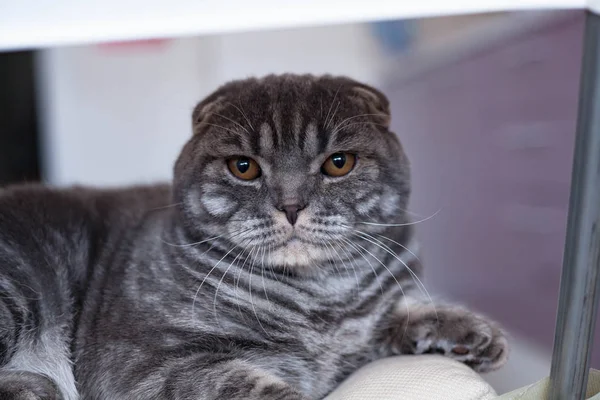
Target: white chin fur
{"x": 297, "y": 254}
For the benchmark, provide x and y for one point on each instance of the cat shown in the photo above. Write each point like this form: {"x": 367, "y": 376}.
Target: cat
{"x": 279, "y": 260}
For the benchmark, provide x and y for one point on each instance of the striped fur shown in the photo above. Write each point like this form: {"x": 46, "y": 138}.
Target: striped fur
{"x": 203, "y": 289}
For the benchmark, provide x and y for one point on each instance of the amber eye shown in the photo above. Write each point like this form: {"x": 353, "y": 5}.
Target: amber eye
{"x": 244, "y": 168}
{"x": 338, "y": 164}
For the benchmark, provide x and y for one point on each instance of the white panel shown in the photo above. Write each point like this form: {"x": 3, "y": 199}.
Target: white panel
{"x": 37, "y": 23}
{"x": 115, "y": 116}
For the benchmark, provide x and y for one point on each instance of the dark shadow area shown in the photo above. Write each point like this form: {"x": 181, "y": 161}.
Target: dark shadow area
{"x": 19, "y": 152}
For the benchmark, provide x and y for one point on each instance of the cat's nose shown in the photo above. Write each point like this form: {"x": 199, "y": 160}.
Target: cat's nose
{"x": 291, "y": 212}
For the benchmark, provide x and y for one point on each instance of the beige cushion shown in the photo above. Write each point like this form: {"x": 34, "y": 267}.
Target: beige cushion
{"x": 425, "y": 377}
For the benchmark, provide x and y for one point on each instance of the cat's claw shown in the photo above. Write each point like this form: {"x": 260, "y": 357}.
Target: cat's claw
{"x": 460, "y": 335}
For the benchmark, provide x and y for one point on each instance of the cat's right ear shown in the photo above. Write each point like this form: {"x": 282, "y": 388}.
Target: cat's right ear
{"x": 204, "y": 110}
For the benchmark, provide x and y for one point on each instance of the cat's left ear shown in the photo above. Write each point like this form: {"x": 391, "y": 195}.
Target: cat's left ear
{"x": 375, "y": 103}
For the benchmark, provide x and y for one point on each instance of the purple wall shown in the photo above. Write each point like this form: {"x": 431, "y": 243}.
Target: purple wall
{"x": 491, "y": 140}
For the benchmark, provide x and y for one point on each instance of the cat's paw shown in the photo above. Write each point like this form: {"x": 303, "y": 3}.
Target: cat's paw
{"x": 461, "y": 335}
{"x": 17, "y": 385}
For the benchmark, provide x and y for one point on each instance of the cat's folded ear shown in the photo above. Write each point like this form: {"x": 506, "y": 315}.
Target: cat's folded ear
{"x": 374, "y": 102}
{"x": 204, "y": 110}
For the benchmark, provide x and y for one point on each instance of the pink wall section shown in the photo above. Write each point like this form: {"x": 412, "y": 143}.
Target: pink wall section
{"x": 491, "y": 140}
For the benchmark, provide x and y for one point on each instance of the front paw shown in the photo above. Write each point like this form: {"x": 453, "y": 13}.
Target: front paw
{"x": 458, "y": 334}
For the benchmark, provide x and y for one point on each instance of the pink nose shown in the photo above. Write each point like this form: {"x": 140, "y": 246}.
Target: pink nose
{"x": 291, "y": 212}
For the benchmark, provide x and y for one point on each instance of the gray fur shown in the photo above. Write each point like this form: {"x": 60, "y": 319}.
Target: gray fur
{"x": 203, "y": 289}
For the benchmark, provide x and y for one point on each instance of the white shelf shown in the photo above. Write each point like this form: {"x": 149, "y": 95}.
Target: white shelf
{"x": 44, "y": 23}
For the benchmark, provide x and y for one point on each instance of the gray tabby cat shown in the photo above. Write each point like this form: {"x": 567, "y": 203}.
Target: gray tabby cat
{"x": 279, "y": 261}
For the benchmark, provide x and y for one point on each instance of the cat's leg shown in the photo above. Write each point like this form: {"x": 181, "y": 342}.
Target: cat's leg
{"x": 420, "y": 327}
{"x": 34, "y": 347}
{"x": 19, "y": 385}
{"x": 217, "y": 377}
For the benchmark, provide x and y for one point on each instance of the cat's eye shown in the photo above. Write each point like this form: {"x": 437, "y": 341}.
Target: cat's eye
{"x": 338, "y": 164}
{"x": 244, "y": 168}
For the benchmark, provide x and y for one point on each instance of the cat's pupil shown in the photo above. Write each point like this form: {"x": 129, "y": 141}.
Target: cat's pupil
{"x": 243, "y": 164}
{"x": 339, "y": 160}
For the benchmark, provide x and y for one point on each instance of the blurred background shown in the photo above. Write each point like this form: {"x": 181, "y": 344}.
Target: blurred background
{"x": 484, "y": 104}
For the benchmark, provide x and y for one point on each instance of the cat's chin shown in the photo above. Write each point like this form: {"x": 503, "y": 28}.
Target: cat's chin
{"x": 299, "y": 255}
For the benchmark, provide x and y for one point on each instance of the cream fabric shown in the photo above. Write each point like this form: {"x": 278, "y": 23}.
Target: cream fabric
{"x": 539, "y": 390}
{"x": 414, "y": 378}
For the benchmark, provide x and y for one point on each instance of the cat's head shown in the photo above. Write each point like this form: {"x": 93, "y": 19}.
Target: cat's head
{"x": 287, "y": 166}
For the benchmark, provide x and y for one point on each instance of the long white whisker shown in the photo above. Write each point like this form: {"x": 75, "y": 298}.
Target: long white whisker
{"x": 420, "y": 284}
{"x": 251, "y": 298}
{"x": 351, "y": 259}
{"x": 219, "y": 126}
{"x": 207, "y": 275}
{"x": 362, "y": 123}
{"x": 231, "y": 120}
{"x": 167, "y": 206}
{"x": 399, "y": 244}
{"x": 334, "y": 113}
{"x": 339, "y": 126}
{"x": 271, "y": 267}
{"x": 192, "y": 244}
{"x": 236, "y": 284}
{"x": 262, "y": 273}
{"x": 351, "y": 244}
{"x": 243, "y": 113}
{"x": 338, "y": 256}
{"x": 332, "y": 261}
{"x": 231, "y": 236}
{"x": 385, "y": 247}
{"x": 326, "y": 124}
{"x": 383, "y": 265}
{"x": 221, "y": 281}
{"x": 404, "y": 224}
{"x": 398, "y": 283}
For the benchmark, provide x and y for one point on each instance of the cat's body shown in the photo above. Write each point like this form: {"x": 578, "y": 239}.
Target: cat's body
{"x": 275, "y": 286}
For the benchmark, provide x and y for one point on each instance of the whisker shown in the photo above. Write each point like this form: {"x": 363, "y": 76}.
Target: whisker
{"x": 167, "y": 206}
{"x": 399, "y": 244}
{"x": 192, "y": 244}
{"x": 398, "y": 283}
{"x": 221, "y": 281}
{"x": 251, "y": 299}
{"x": 219, "y": 126}
{"x": 335, "y": 128}
{"x": 415, "y": 277}
{"x": 271, "y": 267}
{"x": 231, "y": 120}
{"x": 383, "y": 265}
{"x": 262, "y": 273}
{"x": 231, "y": 236}
{"x": 326, "y": 124}
{"x": 236, "y": 284}
{"x": 338, "y": 256}
{"x": 351, "y": 264}
{"x": 350, "y": 243}
{"x": 334, "y": 113}
{"x": 380, "y": 244}
{"x": 207, "y": 275}
{"x": 332, "y": 261}
{"x": 404, "y": 224}
{"x": 362, "y": 123}
{"x": 242, "y": 112}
